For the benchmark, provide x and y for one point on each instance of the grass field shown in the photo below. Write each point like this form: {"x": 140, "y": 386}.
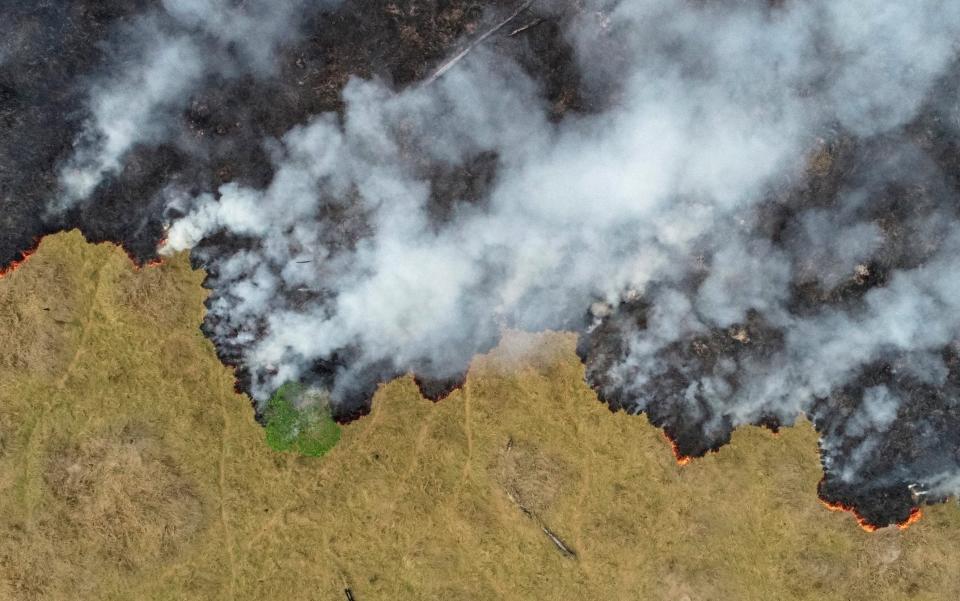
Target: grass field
{"x": 129, "y": 469}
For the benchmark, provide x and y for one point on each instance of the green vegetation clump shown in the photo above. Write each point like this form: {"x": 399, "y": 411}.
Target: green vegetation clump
{"x": 309, "y": 430}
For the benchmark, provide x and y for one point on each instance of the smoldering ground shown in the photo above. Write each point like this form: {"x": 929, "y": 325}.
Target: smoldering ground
{"x": 748, "y": 209}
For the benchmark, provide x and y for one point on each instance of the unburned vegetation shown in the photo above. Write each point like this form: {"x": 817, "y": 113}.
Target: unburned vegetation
{"x": 306, "y": 428}
{"x": 122, "y": 497}
{"x": 130, "y": 469}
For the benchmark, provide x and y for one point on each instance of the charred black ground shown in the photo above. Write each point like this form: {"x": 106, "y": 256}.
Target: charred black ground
{"x": 56, "y": 47}
{"x": 924, "y": 435}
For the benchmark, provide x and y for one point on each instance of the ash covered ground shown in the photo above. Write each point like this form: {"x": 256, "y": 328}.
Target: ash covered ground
{"x": 748, "y": 210}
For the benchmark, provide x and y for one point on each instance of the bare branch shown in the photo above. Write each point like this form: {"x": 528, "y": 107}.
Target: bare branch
{"x": 459, "y": 56}
{"x": 523, "y": 28}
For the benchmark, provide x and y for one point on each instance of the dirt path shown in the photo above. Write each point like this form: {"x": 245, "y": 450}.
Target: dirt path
{"x": 228, "y": 541}
{"x": 85, "y": 327}
{"x": 418, "y": 446}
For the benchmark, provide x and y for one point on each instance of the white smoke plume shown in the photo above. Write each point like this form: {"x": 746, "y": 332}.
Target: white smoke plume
{"x": 712, "y": 109}
{"x": 165, "y": 55}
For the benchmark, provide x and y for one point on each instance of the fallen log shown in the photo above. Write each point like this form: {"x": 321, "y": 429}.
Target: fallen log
{"x": 562, "y": 546}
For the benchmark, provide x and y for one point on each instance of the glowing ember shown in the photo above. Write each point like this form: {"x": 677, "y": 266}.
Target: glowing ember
{"x": 137, "y": 266}
{"x": 151, "y": 263}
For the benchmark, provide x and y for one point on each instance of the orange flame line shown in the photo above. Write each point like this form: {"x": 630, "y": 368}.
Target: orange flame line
{"x": 25, "y": 256}
{"x": 682, "y": 459}
{"x": 155, "y": 262}
{"x": 13, "y": 266}
{"x": 915, "y": 514}
{"x": 867, "y": 526}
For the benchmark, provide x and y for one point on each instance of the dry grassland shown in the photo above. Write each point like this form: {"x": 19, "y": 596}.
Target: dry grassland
{"x": 129, "y": 469}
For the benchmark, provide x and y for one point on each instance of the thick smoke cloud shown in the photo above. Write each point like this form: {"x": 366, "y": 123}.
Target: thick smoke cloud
{"x": 715, "y": 106}
{"x": 750, "y": 221}
{"x": 162, "y": 58}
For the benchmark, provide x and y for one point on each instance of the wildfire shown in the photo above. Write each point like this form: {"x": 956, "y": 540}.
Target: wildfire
{"x": 16, "y": 264}
{"x": 150, "y": 263}
{"x": 25, "y": 255}
{"x": 915, "y": 514}
{"x": 867, "y": 526}
{"x": 682, "y": 459}
{"x": 156, "y": 262}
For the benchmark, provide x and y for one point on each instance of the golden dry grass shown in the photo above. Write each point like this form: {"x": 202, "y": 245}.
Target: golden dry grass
{"x": 129, "y": 469}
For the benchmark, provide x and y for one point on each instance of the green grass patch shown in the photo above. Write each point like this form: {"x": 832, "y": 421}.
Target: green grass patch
{"x": 309, "y": 430}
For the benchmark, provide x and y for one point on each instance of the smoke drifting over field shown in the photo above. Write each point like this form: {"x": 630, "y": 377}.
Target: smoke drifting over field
{"x": 748, "y": 211}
